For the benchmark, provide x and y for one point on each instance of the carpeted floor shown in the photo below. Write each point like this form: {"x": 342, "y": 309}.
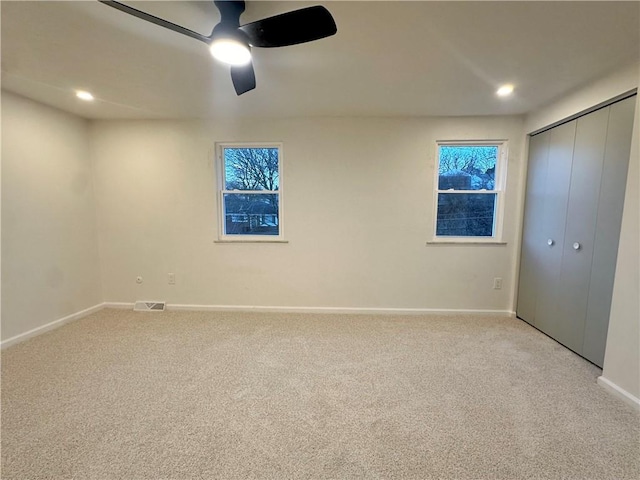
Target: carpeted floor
{"x": 180, "y": 395}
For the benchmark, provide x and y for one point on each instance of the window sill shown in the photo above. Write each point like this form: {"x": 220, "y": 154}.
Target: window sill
{"x": 250, "y": 241}
{"x": 466, "y": 242}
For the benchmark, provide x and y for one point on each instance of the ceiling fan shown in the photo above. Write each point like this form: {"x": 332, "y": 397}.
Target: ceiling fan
{"x": 231, "y": 42}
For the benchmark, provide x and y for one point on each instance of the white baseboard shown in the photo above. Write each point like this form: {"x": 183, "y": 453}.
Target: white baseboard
{"x": 119, "y": 305}
{"x": 619, "y": 392}
{"x": 50, "y": 326}
{"x": 251, "y": 308}
{"x": 337, "y": 310}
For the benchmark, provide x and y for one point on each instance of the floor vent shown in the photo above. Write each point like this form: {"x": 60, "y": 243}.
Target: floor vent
{"x": 149, "y": 307}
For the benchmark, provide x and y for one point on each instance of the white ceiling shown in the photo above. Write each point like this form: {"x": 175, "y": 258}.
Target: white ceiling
{"x": 388, "y": 58}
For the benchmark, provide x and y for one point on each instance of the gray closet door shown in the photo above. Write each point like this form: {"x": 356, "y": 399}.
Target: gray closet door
{"x": 532, "y": 252}
{"x": 609, "y": 220}
{"x": 577, "y": 251}
{"x": 552, "y": 227}
{"x": 575, "y": 193}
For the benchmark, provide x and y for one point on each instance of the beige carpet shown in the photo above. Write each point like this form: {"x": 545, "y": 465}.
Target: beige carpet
{"x": 176, "y": 395}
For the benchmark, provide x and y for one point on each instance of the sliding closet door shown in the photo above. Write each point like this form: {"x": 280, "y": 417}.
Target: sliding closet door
{"x": 552, "y": 227}
{"x": 609, "y": 220}
{"x": 531, "y": 256}
{"x": 577, "y": 249}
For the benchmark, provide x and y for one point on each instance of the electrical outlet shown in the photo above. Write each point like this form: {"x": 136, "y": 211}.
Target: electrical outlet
{"x": 497, "y": 283}
{"x": 172, "y": 278}
{"x": 138, "y": 279}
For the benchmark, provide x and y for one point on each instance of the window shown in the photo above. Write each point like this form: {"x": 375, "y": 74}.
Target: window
{"x": 250, "y": 186}
{"x": 470, "y": 178}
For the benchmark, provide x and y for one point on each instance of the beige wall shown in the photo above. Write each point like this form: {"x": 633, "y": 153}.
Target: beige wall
{"x": 358, "y": 211}
{"x": 622, "y": 357}
{"x": 50, "y": 266}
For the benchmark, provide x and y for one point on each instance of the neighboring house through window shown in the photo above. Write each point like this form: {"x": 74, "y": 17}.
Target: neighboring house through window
{"x": 250, "y": 191}
{"x": 469, "y": 190}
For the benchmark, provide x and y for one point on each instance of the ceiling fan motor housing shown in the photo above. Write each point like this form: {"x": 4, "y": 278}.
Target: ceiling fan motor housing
{"x": 230, "y": 12}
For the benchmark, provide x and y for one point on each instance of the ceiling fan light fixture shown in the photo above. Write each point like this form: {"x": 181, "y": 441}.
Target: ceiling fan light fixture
{"x": 230, "y": 51}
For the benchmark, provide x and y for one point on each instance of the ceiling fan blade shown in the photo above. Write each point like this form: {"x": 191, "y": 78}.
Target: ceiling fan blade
{"x": 243, "y": 77}
{"x": 291, "y": 28}
{"x": 158, "y": 21}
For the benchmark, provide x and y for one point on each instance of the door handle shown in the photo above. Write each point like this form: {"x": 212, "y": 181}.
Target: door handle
{"x": 550, "y": 242}
{"x": 577, "y": 246}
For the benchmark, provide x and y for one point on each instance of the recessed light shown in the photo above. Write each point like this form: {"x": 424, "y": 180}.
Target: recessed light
{"x": 82, "y": 95}
{"x": 505, "y": 90}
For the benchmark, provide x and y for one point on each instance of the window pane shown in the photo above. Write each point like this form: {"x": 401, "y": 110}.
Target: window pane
{"x": 251, "y": 169}
{"x": 467, "y": 167}
{"x": 251, "y": 214}
{"x": 466, "y": 214}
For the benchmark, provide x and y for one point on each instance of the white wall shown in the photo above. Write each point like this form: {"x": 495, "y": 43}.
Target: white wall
{"x": 358, "y": 211}
{"x": 589, "y": 96}
{"x": 622, "y": 357}
{"x": 50, "y": 266}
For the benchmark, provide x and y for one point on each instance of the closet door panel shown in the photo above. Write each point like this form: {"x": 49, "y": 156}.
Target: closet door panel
{"x": 552, "y": 226}
{"x": 531, "y": 255}
{"x": 577, "y": 253}
{"x": 609, "y": 219}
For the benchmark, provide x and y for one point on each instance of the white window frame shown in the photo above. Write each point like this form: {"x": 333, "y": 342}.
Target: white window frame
{"x": 220, "y": 171}
{"x": 499, "y": 191}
